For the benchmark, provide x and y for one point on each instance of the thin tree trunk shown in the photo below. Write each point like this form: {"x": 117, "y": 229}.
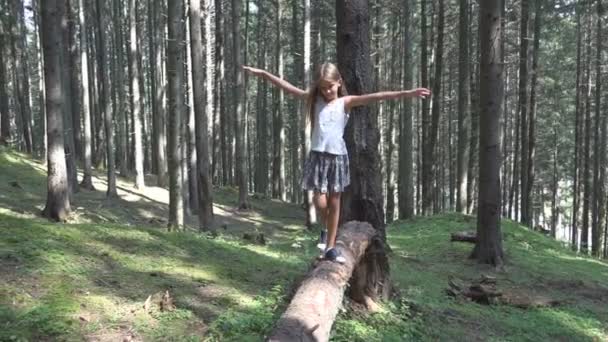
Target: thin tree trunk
{"x": 600, "y": 145}
{"x": 120, "y": 107}
{"x": 278, "y": 165}
{"x": 555, "y": 186}
{"x": 587, "y": 147}
{"x": 474, "y": 138}
{"x": 577, "y": 136}
{"x": 75, "y": 72}
{"x": 191, "y": 167}
{"x": 68, "y": 113}
{"x": 209, "y": 42}
{"x": 205, "y": 209}
{"x": 57, "y": 202}
{"x": 526, "y": 217}
{"x": 136, "y": 96}
{"x": 436, "y": 105}
{"x": 104, "y": 101}
{"x": 463, "y": 101}
{"x": 21, "y": 71}
{"x": 533, "y": 105}
{"x": 311, "y": 214}
{"x": 295, "y": 117}
{"x": 87, "y": 181}
{"x": 426, "y": 157}
{"x": 175, "y": 73}
{"x": 5, "y": 119}
{"x": 241, "y": 161}
{"x": 406, "y": 169}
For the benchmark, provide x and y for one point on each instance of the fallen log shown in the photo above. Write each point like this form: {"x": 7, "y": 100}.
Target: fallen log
{"x": 466, "y": 236}
{"x": 314, "y": 307}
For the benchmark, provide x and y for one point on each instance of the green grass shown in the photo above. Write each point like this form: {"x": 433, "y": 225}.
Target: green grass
{"x": 90, "y": 278}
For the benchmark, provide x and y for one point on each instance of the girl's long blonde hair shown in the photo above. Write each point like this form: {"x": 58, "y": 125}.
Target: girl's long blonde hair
{"x": 329, "y": 72}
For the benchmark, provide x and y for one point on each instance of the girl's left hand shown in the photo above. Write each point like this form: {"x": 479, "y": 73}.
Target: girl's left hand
{"x": 422, "y": 92}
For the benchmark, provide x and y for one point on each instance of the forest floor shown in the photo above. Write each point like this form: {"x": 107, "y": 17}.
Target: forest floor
{"x": 102, "y": 276}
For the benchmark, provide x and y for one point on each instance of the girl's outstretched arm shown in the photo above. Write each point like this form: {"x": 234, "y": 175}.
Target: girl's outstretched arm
{"x": 279, "y": 82}
{"x": 353, "y": 101}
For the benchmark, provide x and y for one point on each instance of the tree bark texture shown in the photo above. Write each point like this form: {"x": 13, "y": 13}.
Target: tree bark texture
{"x": 57, "y": 202}
{"x": 241, "y": 161}
{"x": 463, "y": 102}
{"x": 363, "y": 200}
{"x": 205, "y": 209}
{"x": 488, "y": 248}
{"x": 175, "y": 73}
{"x": 104, "y": 101}
{"x": 136, "y": 96}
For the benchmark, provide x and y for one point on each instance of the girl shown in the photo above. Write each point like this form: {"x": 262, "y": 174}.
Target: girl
{"x": 326, "y": 171}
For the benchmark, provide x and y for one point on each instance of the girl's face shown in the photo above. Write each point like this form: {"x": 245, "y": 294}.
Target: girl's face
{"x": 329, "y": 89}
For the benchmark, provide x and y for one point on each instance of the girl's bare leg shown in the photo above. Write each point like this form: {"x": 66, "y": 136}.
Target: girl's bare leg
{"x": 333, "y": 209}
{"x": 320, "y": 201}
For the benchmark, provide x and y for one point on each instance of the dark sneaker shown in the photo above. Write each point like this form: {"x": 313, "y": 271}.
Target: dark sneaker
{"x": 322, "y": 240}
{"x": 334, "y": 255}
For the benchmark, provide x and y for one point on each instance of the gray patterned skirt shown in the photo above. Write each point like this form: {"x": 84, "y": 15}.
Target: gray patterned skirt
{"x": 325, "y": 172}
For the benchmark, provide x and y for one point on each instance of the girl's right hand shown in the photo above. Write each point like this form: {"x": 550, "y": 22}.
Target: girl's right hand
{"x": 253, "y": 71}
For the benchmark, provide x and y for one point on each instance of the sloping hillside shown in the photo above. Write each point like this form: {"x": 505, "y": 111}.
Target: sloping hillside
{"x": 102, "y": 276}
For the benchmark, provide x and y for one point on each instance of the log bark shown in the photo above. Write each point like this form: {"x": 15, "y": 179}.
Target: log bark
{"x": 313, "y": 309}
{"x": 464, "y": 237}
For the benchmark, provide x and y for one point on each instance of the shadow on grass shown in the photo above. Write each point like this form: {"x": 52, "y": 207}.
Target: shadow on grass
{"x": 205, "y": 277}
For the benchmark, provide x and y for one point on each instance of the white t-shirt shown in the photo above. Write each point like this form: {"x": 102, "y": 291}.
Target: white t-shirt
{"x": 328, "y": 130}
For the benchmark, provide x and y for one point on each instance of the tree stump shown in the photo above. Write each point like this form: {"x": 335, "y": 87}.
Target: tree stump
{"x": 315, "y": 305}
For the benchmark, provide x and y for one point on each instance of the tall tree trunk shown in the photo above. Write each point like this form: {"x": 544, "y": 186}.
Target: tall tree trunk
{"x": 210, "y": 51}
{"x": 295, "y": 117}
{"x": 120, "y": 107}
{"x": 406, "y": 169}
{"x": 526, "y": 217}
{"x": 600, "y": 145}
{"x": 241, "y": 161}
{"x": 190, "y": 162}
{"x": 68, "y": 113}
{"x": 75, "y": 72}
{"x": 21, "y": 72}
{"x": 436, "y": 106}
{"x": 57, "y": 201}
{"x": 427, "y": 165}
{"x": 363, "y": 199}
{"x": 205, "y": 209}
{"x": 278, "y": 164}
{"x": 99, "y": 69}
{"x": 136, "y": 96}
{"x": 463, "y": 101}
{"x": 159, "y": 93}
{"x": 218, "y": 162}
{"x": 87, "y": 181}
{"x": 555, "y": 186}
{"x": 533, "y": 105}
{"x": 261, "y": 163}
{"x": 577, "y": 136}
{"x": 311, "y": 214}
{"x": 175, "y": 73}
{"x": 5, "y": 119}
{"x": 41, "y": 125}
{"x": 390, "y": 134}
{"x": 587, "y": 147}
{"x": 104, "y": 101}
{"x": 488, "y": 248}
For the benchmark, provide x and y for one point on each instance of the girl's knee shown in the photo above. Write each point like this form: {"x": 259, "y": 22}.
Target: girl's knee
{"x": 320, "y": 200}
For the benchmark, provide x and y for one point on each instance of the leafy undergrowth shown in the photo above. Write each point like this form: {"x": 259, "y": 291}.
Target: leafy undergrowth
{"x": 90, "y": 279}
